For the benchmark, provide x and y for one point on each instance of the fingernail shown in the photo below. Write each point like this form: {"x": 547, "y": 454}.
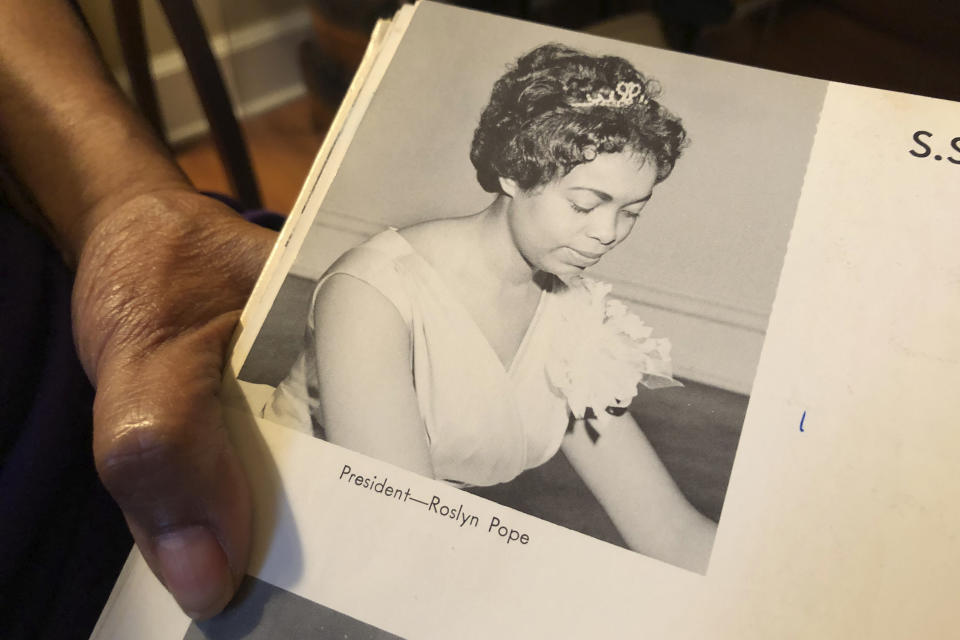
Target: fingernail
{"x": 195, "y": 570}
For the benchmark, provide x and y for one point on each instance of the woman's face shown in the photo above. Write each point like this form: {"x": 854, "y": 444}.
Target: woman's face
{"x": 567, "y": 225}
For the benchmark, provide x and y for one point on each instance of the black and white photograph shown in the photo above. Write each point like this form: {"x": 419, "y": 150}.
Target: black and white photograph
{"x": 543, "y": 275}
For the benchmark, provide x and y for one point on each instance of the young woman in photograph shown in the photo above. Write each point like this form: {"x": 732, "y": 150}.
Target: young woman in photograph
{"x": 470, "y": 349}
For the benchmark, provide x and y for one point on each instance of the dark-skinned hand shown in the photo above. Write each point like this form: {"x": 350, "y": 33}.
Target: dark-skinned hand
{"x": 160, "y": 284}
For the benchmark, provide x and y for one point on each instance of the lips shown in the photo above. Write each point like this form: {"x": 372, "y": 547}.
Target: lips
{"x": 587, "y": 254}
{"x": 583, "y": 259}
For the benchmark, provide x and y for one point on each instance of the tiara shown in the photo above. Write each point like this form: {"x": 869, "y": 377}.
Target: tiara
{"x": 624, "y": 95}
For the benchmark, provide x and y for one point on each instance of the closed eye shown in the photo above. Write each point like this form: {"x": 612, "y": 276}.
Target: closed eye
{"x": 579, "y": 209}
{"x": 637, "y": 210}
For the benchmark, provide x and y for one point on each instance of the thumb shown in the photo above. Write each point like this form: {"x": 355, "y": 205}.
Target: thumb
{"x": 162, "y": 450}
{"x": 160, "y": 284}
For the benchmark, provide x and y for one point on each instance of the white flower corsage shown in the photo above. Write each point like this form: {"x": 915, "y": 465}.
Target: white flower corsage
{"x": 603, "y": 353}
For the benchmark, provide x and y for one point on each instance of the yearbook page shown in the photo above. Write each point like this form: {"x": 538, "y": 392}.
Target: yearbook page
{"x": 569, "y": 337}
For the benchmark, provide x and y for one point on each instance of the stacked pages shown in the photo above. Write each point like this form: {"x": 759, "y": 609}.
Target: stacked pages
{"x": 568, "y": 337}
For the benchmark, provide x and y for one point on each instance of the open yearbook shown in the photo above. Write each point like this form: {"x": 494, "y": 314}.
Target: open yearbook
{"x": 574, "y": 338}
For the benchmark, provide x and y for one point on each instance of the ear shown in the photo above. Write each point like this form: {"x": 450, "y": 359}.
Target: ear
{"x": 509, "y": 186}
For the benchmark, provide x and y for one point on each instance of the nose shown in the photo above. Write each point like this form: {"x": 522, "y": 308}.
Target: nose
{"x": 602, "y": 226}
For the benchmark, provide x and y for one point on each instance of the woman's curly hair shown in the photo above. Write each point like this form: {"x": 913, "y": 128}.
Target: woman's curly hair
{"x": 539, "y": 124}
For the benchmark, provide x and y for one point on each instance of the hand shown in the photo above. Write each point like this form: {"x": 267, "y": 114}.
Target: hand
{"x": 160, "y": 284}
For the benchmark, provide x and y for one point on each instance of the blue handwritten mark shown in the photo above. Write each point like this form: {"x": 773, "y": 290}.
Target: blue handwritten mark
{"x": 802, "y": 418}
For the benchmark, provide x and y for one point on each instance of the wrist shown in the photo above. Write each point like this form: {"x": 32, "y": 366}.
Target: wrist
{"x": 110, "y": 207}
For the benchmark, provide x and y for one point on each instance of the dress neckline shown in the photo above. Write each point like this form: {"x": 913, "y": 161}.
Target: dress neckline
{"x": 508, "y": 368}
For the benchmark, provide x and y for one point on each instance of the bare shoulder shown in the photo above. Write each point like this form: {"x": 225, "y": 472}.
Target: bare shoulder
{"x": 365, "y": 380}
{"x": 440, "y": 241}
{"x": 348, "y": 303}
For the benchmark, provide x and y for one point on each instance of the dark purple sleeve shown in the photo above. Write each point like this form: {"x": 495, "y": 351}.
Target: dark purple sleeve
{"x": 62, "y": 539}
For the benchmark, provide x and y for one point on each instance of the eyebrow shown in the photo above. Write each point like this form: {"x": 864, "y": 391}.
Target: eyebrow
{"x": 606, "y": 197}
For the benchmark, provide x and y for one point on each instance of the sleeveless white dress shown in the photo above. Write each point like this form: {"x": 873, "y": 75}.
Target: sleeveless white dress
{"x": 485, "y": 423}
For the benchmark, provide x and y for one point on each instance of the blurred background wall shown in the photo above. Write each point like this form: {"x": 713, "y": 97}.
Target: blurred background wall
{"x": 255, "y": 42}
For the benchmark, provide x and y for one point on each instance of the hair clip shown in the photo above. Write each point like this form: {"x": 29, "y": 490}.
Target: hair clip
{"x": 624, "y": 95}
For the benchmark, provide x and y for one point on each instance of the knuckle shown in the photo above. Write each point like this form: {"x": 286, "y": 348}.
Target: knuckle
{"x": 145, "y": 460}
{"x": 119, "y": 295}
{"x": 137, "y": 453}
{"x": 140, "y": 264}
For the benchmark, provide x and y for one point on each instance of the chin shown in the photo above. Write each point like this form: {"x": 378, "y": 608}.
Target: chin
{"x": 565, "y": 271}
{"x": 561, "y": 268}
